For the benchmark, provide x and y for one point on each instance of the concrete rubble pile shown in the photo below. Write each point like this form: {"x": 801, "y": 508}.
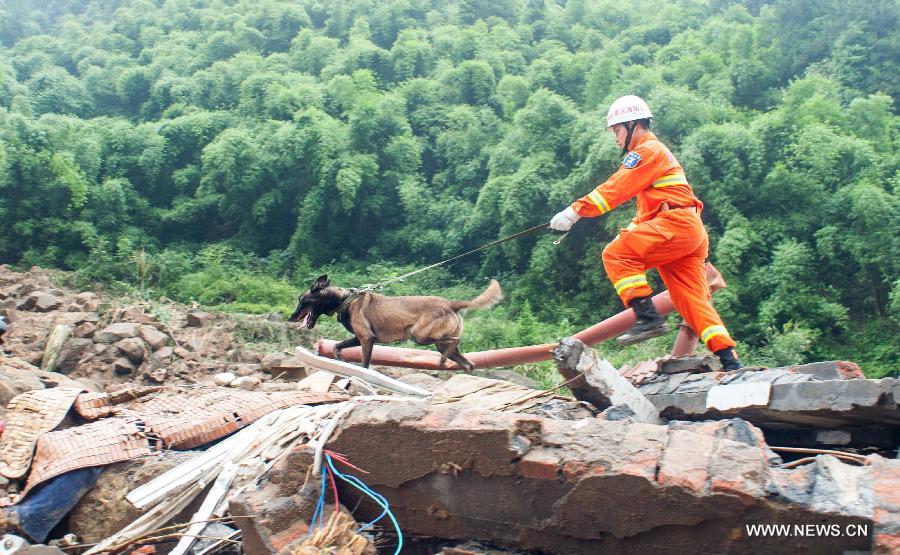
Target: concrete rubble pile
{"x": 192, "y": 428}
{"x": 819, "y": 404}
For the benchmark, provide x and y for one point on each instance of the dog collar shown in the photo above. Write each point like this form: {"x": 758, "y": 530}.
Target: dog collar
{"x": 354, "y": 294}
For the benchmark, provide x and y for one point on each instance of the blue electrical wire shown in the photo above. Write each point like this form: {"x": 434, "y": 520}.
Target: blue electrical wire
{"x": 379, "y": 499}
{"x": 320, "y": 508}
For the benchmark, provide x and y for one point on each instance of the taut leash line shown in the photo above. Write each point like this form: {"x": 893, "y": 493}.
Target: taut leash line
{"x": 528, "y": 231}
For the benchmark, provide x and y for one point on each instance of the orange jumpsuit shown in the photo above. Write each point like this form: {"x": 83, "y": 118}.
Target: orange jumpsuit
{"x": 672, "y": 240}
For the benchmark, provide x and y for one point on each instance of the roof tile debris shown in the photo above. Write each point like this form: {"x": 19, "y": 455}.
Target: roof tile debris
{"x": 28, "y": 416}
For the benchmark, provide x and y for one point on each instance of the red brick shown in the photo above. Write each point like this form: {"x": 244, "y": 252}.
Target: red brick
{"x": 849, "y": 370}
{"x": 538, "y": 469}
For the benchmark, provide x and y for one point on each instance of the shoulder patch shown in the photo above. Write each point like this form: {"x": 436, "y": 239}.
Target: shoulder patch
{"x": 631, "y": 160}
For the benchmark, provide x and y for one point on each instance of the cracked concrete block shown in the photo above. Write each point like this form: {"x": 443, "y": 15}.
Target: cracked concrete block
{"x": 586, "y": 486}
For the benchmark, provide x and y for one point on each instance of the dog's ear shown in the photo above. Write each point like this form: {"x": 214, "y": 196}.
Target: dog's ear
{"x": 320, "y": 283}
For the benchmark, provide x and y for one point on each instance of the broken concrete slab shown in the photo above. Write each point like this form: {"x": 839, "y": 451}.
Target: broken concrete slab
{"x": 595, "y": 381}
{"x": 831, "y": 404}
{"x": 590, "y": 486}
{"x": 687, "y": 363}
{"x": 830, "y": 370}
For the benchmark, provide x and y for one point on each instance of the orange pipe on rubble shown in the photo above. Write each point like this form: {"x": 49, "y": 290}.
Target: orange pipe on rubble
{"x": 607, "y": 329}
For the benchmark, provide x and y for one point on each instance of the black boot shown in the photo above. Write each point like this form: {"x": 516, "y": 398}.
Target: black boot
{"x": 729, "y": 359}
{"x": 649, "y": 323}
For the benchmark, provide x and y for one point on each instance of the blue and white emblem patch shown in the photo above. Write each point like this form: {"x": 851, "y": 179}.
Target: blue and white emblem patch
{"x": 631, "y": 160}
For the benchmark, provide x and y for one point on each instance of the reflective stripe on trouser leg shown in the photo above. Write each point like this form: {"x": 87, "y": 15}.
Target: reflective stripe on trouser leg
{"x": 626, "y": 271}
{"x": 716, "y": 338}
{"x": 630, "y": 282}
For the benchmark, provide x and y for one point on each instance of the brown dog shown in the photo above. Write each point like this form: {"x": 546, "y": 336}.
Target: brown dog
{"x": 372, "y": 318}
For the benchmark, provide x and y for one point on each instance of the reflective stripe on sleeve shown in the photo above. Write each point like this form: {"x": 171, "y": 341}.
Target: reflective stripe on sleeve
{"x": 712, "y": 331}
{"x": 670, "y": 180}
{"x": 599, "y": 201}
{"x": 629, "y": 282}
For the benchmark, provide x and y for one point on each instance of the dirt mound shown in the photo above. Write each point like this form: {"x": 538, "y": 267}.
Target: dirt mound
{"x": 101, "y": 340}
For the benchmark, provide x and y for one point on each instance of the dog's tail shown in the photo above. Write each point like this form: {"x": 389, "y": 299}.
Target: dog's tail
{"x": 491, "y": 296}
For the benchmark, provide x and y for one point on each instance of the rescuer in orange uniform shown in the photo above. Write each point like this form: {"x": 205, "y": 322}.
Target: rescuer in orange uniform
{"x": 666, "y": 234}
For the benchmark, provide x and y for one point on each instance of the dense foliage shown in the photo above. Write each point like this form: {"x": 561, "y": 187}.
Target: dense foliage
{"x": 227, "y": 150}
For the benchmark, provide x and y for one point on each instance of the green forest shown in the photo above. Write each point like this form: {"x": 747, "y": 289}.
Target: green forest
{"x": 229, "y": 151}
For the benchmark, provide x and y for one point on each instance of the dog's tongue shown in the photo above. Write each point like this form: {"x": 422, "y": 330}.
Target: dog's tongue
{"x": 307, "y": 319}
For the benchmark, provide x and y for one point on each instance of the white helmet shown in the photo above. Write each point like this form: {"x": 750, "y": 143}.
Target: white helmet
{"x": 627, "y": 108}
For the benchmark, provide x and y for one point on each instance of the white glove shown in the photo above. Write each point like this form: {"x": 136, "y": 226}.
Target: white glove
{"x": 565, "y": 219}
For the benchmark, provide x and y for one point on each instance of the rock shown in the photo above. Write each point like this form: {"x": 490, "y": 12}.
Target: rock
{"x": 55, "y": 379}
{"x": 55, "y": 342}
{"x": 40, "y": 302}
{"x": 88, "y": 301}
{"x": 118, "y": 331}
{"x": 134, "y": 314}
{"x": 159, "y": 375}
{"x": 245, "y": 382}
{"x": 183, "y": 353}
{"x": 154, "y": 338}
{"x": 270, "y": 360}
{"x": 123, "y": 367}
{"x": 163, "y": 353}
{"x": 90, "y": 385}
{"x": 224, "y": 379}
{"x": 104, "y": 510}
{"x": 77, "y": 318}
{"x": 17, "y": 290}
{"x": 197, "y": 318}
{"x": 71, "y": 353}
{"x": 16, "y": 376}
{"x": 619, "y": 413}
{"x": 86, "y": 329}
{"x": 133, "y": 348}
{"x": 249, "y": 357}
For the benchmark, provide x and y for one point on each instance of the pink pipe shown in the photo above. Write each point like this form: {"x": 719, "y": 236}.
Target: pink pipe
{"x": 429, "y": 360}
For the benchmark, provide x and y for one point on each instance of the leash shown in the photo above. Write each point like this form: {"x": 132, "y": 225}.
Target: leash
{"x": 355, "y": 293}
{"x": 523, "y": 233}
